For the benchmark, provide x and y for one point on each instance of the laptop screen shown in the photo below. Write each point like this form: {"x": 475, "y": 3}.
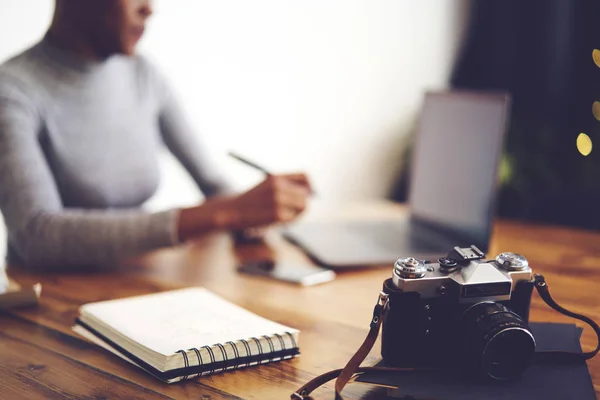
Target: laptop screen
{"x": 455, "y": 163}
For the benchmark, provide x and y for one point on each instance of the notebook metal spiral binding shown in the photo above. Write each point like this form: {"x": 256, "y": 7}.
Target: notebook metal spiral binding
{"x": 281, "y": 342}
{"x": 293, "y": 340}
{"x": 224, "y": 354}
{"x": 199, "y": 356}
{"x": 260, "y": 350}
{"x": 185, "y": 362}
{"x": 271, "y": 347}
{"x": 247, "y": 346}
{"x": 212, "y": 357}
{"x": 237, "y": 355}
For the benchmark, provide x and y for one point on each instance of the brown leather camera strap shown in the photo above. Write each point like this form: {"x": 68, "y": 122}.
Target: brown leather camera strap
{"x": 353, "y": 366}
{"x": 542, "y": 288}
{"x": 379, "y": 312}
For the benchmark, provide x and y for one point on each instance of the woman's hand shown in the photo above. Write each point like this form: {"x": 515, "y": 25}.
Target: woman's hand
{"x": 278, "y": 199}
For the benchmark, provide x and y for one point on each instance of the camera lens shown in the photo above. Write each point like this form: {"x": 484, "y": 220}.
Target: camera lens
{"x": 498, "y": 342}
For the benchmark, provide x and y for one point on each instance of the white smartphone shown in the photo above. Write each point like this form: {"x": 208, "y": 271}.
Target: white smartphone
{"x": 300, "y": 274}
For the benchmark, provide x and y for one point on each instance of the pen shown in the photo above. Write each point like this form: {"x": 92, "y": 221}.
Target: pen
{"x": 249, "y": 163}
{"x": 253, "y": 165}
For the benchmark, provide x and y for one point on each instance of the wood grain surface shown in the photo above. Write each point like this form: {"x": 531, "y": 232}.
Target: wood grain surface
{"x": 41, "y": 358}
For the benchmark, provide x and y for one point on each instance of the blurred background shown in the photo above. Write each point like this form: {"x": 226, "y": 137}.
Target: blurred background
{"x": 334, "y": 87}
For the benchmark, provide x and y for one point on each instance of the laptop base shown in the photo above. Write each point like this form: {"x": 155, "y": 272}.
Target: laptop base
{"x": 356, "y": 244}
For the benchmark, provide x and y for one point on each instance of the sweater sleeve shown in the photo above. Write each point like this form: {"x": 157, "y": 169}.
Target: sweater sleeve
{"x": 43, "y": 233}
{"x": 189, "y": 147}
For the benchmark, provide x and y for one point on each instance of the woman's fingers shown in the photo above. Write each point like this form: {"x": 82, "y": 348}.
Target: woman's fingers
{"x": 299, "y": 179}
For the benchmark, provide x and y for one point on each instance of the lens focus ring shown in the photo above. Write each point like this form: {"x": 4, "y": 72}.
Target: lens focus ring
{"x": 497, "y": 340}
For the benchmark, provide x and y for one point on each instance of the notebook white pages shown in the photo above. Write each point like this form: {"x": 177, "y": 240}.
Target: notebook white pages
{"x": 184, "y": 333}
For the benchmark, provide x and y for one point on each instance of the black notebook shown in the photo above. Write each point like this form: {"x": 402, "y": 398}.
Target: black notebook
{"x": 183, "y": 334}
{"x": 543, "y": 381}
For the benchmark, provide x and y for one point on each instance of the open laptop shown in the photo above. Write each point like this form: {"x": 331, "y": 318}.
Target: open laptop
{"x": 454, "y": 174}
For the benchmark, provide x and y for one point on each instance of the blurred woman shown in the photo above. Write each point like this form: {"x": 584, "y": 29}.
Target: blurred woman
{"x": 82, "y": 119}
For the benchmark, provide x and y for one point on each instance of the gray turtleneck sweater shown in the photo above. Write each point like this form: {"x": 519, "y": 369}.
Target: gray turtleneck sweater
{"x": 79, "y": 145}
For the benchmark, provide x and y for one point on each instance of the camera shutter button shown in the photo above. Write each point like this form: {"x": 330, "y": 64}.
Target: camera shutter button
{"x": 410, "y": 267}
{"x": 512, "y": 261}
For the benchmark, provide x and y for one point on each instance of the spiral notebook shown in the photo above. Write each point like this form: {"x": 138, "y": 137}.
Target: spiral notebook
{"x": 183, "y": 334}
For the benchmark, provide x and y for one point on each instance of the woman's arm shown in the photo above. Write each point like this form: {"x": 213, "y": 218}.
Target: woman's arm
{"x": 48, "y": 236}
{"x": 40, "y": 230}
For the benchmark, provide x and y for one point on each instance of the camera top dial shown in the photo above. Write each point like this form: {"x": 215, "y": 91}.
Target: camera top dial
{"x": 512, "y": 261}
{"x": 410, "y": 267}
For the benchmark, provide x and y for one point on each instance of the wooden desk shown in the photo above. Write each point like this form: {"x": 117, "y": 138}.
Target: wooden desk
{"x": 41, "y": 358}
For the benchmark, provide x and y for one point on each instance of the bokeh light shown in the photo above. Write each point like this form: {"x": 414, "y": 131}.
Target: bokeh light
{"x": 596, "y": 56}
{"x": 596, "y": 110}
{"x": 584, "y": 144}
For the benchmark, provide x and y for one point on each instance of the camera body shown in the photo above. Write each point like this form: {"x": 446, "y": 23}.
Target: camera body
{"x": 460, "y": 311}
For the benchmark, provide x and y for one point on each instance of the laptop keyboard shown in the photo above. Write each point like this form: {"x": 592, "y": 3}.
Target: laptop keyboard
{"x": 364, "y": 242}
{"x": 393, "y": 235}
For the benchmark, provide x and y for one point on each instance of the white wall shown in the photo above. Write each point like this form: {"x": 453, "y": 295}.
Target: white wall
{"x": 325, "y": 86}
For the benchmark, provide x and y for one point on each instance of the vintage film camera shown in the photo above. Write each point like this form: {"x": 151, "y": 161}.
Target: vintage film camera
{"x": 461, "y": 311}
